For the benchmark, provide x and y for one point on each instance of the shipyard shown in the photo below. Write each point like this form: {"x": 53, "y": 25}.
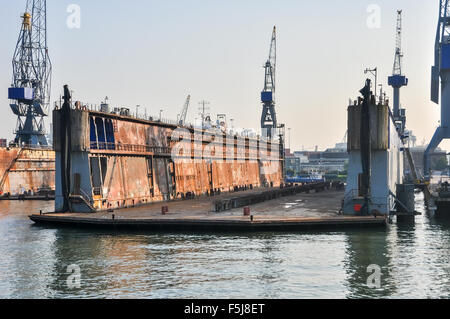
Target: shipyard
{"x": 246, "y": 178}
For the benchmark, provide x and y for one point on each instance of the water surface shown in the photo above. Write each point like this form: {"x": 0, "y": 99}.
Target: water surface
{"x": 414, "y": 261}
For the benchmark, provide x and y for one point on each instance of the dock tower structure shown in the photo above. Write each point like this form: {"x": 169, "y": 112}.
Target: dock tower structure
{"x": 269, "y": 116}
{"x": 30, "y": 89}
{"x": 441, "y": 69}
{"x": 398, "y": 80}
{"x": 375, "y": 182}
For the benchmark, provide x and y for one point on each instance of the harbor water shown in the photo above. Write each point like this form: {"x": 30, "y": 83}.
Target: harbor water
{"x": 37, "y": 262}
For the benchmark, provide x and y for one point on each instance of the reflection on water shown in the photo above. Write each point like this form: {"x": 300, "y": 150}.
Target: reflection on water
{"x": 414, "y": 261}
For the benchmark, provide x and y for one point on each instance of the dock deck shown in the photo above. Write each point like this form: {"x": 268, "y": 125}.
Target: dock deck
{"x": 302, "y": 211}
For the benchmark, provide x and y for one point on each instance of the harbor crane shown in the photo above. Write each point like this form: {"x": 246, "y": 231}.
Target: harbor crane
{"x": 269, "y": 116}
{"x": 441, "y": 69}
{"x": 30, "y": 89}
{"x": 398, "y": 80}
{"x": 182, "y": 119}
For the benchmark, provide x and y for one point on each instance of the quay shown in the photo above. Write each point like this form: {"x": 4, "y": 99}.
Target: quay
{"x": 316, "y": 210}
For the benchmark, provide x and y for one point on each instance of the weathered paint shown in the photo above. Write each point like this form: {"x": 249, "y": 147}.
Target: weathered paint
{"x": 386, "y": 160}
{"x": 128, "y": 162}
{"x": 23, "y": 170}
{"x": 379, "y": 121}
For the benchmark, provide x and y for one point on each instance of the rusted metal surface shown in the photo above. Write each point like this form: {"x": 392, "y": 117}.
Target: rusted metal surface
{"x": 379, "y": 118}
{"x": 26, "y": 170}
{"x": 135, "y": 162}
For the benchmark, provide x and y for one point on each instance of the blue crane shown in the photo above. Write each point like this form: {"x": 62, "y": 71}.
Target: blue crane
{"x": 30, "y": 89}
{"x": 441, "y": 69}
{"x": 398, "y": 80}
{"x": 269, "y": 116}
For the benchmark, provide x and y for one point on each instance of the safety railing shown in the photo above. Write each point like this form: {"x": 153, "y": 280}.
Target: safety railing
{"x": 246, "y": 133}
{"x": 31, "y": 147}
{"x": 131, "y": 148}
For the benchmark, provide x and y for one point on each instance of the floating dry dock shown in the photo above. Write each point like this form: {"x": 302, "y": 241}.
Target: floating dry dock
{"x": 302, "y": 211}
{"x": 116, "y": 171}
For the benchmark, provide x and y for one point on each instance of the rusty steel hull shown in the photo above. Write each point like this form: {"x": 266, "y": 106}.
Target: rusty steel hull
{"x": 26, "y": 170}
{"x": 119, "y": 162}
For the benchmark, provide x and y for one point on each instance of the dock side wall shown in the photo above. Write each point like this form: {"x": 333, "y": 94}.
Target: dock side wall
{"x": 379, "y": 182}
{"x": 24, "y": 170}
{"x": 122, "y": 162}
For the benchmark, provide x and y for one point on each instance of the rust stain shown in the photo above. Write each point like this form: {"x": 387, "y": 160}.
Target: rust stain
{"x": 26, "y": 170}
{"x": 138, "y": 177}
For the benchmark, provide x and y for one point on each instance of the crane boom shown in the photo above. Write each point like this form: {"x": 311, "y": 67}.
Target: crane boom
{"x": 398, "y": 47}
{"x": 183, "y": 114}
{"x": 273, "y": 58}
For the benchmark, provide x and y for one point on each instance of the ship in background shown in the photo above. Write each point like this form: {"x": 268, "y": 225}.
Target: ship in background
{"x": 27, "y": 165}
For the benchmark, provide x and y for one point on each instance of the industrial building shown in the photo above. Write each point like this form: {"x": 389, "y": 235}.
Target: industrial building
{"x": 332, "y": 160}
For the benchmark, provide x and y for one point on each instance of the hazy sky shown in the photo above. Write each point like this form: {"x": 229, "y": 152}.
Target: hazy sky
{"x": 155, "y": 53}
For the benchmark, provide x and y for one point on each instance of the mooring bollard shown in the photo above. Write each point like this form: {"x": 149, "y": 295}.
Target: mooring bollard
{"x": 246, "y": 211}
{"x": 165, "y": 210}
{"x": 113, "y": 217}
{"x": 251, "y": 218}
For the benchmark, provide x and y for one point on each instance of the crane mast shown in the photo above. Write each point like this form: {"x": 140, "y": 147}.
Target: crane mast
{"x": 440, "y": 71}
{"x": 182, "y": 120}
{"x": 269, "y": 117}
{"x": 398, "y": 46}
{"x": 30, "y": 89}
{"x": 398, "y": 80}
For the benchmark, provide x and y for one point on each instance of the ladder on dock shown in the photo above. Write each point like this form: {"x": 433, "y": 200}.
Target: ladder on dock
{"x": 412, "y": 165}
{"x": 419, "y": 180}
